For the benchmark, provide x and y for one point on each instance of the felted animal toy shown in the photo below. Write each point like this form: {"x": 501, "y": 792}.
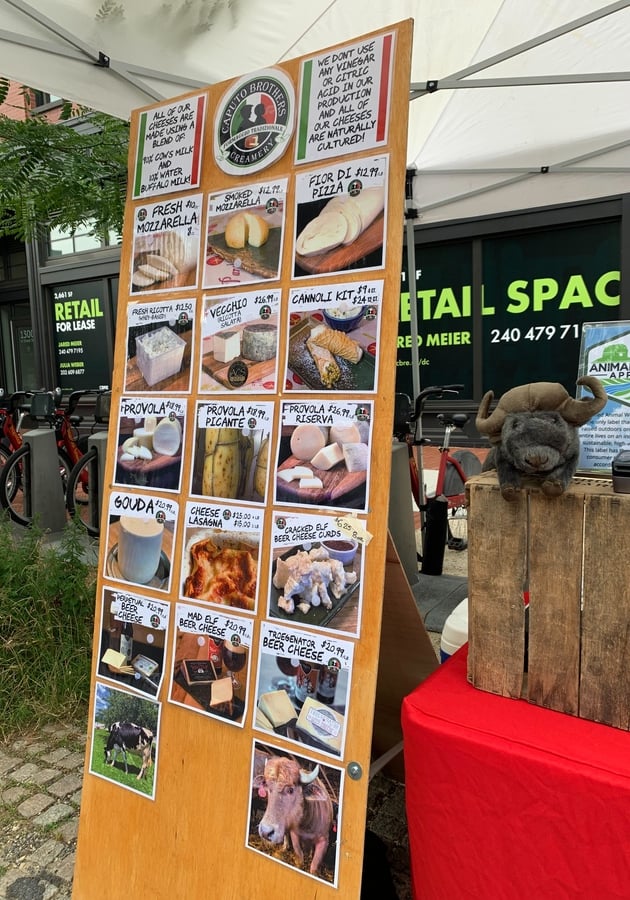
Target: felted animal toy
{"x": 534, "y": 432}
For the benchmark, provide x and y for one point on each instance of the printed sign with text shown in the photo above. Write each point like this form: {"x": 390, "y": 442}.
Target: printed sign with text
{"x": 133, "y": 640}
{"x": 160, "y": 340}
{"x": 211, "y": 660}
{"x": 324, "y": 454}
{"x": 239, "y": 350}
{"x": 340, "y": 218}
{"x": 166, "y": 239}
{"x": 140, "y": 539}
{"x": 222, "y": 554}
{"x": 333, "y": 337}
{"x": 303, "y": 687}
{"x": 150, "y": 444}
{"x": 170, "y": 144}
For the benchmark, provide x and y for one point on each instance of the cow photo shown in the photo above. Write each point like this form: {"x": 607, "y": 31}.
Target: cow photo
{"x": 125, "y": 730}
{"x": 295, "y": 811}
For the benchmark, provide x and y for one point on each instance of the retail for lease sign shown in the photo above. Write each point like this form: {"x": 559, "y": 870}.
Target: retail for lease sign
{"x": 80, "y": 336}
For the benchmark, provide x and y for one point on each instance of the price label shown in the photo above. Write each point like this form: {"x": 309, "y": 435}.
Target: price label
{"x": 353, "y": 528}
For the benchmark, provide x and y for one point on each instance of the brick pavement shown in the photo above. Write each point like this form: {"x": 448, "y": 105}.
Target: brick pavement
{"x": 40, "y": 794}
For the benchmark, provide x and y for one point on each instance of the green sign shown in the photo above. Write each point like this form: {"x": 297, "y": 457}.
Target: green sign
{"x": 80, "y": 332}
{"x": 524, "y": 322}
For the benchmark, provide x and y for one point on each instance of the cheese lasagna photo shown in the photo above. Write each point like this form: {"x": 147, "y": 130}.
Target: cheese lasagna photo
{"x": 221, "y": 568}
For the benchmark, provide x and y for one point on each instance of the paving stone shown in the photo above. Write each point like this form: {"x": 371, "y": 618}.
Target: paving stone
{"x": 73, "y": 761}
{"x": 26, "y": 772}
{"x": 36, "y": 748}
{"x": 45, "y": 854}
{"x": 65, "y": 868}
{"x": 68, "y": 831}
{"x": 65, "y": 785}
{"x": 34, "y": 805}
{"x": 55, "y": 756}
{"x": 44, "y": 776}
{"x": 58, "y": 731}
{"x": 14, "y": 794}
{"x": 53, "y": 814}
{"x": 7, "y": 763}
{"x": 76, "y": 798}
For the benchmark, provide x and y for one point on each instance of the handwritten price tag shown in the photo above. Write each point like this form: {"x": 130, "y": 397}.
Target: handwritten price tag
{"x": 353, "y": 528}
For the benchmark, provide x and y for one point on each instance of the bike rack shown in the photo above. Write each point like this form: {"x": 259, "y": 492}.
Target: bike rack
{"x": 96, "y": 475}
{"x": 47, "y": 500}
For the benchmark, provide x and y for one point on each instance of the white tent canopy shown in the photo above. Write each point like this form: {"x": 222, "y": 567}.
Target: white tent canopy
{"x": 513, "y": 103}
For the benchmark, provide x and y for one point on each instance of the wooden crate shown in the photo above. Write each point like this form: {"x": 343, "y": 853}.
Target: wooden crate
{"x": 571, "y": 553}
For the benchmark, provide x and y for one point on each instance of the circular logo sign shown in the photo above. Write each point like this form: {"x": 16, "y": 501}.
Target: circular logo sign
{"x": 254, "y": 122}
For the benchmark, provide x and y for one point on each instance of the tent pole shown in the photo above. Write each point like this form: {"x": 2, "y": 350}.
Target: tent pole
{"x": 411, "y": 213}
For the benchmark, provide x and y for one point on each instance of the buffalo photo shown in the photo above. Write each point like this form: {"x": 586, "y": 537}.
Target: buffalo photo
{"x": 294, "y": 814}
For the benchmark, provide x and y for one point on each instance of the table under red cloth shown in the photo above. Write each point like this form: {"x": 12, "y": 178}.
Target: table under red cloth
{"x": 506, "y": 800}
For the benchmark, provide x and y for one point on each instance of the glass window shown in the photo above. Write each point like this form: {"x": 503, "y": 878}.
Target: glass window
{"x": 62, "y": 242}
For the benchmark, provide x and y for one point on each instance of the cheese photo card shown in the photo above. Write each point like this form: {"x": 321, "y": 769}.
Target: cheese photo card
{"x": 324, "y": 454}
{"x": 170, "y": 145}
{"x": 316, "y": 574}
{"x": 125, "y": 739}
{"x": 245, "y": 234}
{"x": 166, "y": 237}
{"x": 221, "y": 560}
{"x": 140, "y": 538}
{"x": 302, "y": 687}
{"x": 160, "y": 341}
{"x": 133, "y": 640}
{"x": 345, "y": 99}
{"x": 333, "y": 337}
{"x": 341, "y": 217}
{"x": 239, "y": 342}
{"x": 211, "y": 659}
{"x": 232, "y": 450}
{"x": 150, "y": 443}
{"x": 289, "y": 788}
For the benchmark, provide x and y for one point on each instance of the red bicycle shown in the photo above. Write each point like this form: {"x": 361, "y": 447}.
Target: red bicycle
{"x": 443, "y": 511}
{"x": 12, "y": 413}
{"x": 15, "y": 478}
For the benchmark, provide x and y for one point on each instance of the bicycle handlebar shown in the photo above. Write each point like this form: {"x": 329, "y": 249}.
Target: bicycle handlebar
{"x": 435, "y": 391}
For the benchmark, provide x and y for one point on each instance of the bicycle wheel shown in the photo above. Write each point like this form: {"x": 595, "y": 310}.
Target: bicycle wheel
{"x": 457, "y": 529}
{"x": 16, "y": 484}
{"x": 82, "y": 492}
{"x": 4, "y": 456}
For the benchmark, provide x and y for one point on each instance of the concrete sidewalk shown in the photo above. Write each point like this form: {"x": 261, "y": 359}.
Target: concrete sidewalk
{"x": 40, "y": 794}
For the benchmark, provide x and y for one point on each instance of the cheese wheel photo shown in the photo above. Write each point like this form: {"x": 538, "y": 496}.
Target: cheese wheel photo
{"x": 149, "y": 451}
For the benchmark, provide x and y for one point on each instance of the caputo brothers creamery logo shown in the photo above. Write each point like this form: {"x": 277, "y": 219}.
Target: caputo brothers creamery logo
{"x": 254, "y": 122}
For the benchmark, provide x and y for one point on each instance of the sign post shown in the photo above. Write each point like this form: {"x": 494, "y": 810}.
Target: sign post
{"x": 244, "y": 533}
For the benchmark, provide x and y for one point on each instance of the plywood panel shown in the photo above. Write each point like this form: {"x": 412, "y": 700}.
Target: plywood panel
{"x": 190, "y": 840}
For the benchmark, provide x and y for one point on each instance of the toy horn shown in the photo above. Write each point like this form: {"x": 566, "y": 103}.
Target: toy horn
{"x": 541, "y": 395}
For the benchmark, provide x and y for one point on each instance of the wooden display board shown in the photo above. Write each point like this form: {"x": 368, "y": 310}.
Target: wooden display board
{"x": 250, "y": 441}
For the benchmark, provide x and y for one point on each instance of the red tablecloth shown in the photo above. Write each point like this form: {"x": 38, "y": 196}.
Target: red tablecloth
{"x": 508, "y": 801}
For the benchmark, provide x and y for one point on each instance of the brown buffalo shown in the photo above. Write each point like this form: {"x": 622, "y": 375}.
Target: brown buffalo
{"x": 298, "y": 806}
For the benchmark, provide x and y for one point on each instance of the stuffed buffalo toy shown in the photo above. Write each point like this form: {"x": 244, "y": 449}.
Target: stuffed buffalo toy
{"x": 534, "y": 433}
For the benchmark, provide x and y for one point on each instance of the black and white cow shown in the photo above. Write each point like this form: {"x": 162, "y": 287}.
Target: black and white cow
{"x": 124, "y": 736}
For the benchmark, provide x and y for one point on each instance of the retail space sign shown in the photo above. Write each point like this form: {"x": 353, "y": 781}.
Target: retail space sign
{"x": 80, "y": 335}
{"x": 524, "y": 321}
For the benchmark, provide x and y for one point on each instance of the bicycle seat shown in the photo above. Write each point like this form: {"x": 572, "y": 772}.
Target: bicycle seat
{"x": 75, "y": 420}
{"x": 456, "y": 419}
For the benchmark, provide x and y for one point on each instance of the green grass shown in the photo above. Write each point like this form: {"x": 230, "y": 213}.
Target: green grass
{"x": 117, "y": 771}
{"x": 46, "y": 619}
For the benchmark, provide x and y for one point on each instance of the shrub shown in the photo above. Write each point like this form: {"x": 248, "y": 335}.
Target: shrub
{"x": 47, "y": 598}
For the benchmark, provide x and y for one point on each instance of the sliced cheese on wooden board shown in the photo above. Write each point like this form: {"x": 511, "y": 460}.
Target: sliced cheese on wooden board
{"x": 339, "y": 487}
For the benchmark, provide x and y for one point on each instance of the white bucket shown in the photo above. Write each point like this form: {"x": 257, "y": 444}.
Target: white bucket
{"x": 455, "y": 631}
